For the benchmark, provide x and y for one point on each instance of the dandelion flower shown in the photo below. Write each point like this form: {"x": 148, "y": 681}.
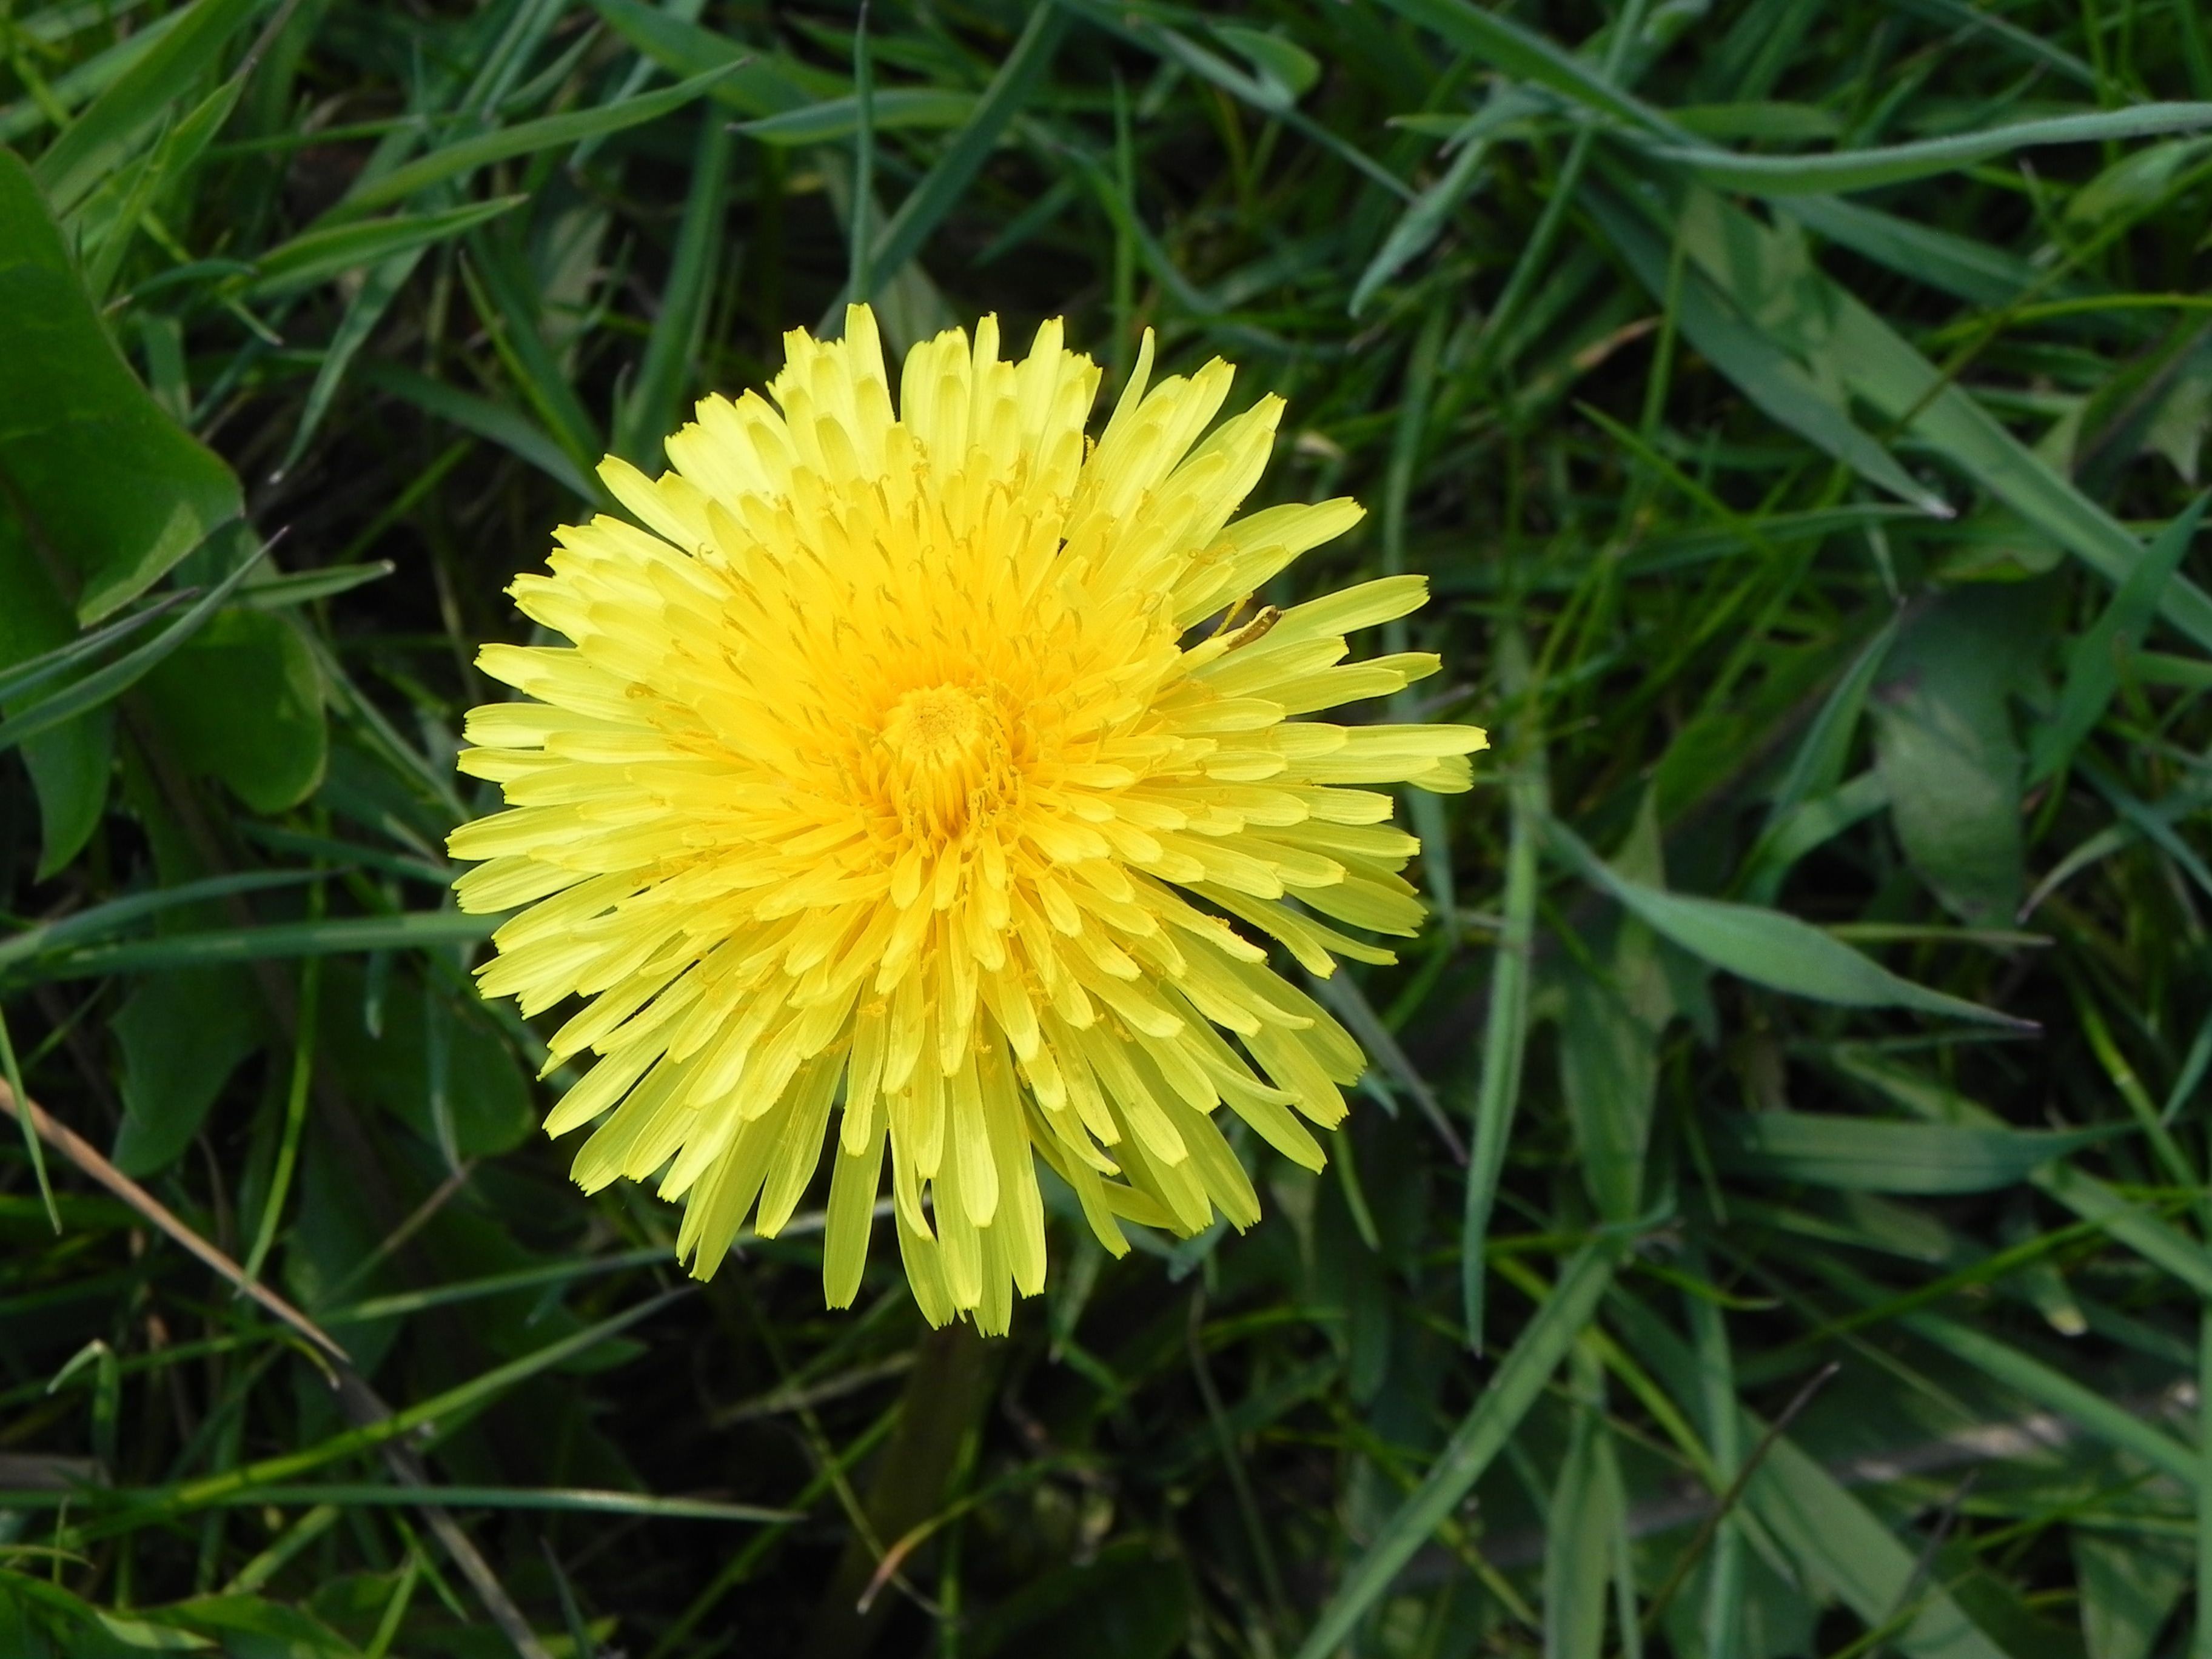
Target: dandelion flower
{"x": 892, "y": 794}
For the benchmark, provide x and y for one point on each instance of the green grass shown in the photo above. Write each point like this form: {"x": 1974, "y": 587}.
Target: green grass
{"x": 1798, "y": 408}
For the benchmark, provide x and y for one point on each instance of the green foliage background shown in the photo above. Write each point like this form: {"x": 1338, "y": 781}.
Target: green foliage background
{"x": 1776, "y": 1224}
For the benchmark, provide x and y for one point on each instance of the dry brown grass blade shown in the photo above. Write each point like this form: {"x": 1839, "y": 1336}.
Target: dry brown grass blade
{"x": 81, "y": 1153}
{"x": 361, "y": 1404}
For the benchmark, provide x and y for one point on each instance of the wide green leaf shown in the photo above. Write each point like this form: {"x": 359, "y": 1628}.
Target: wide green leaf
{"x": 181, "y": 1036}
{"x": 243, "y": 702}
{"x": 107, "y": 481}
{"x": 1945, "y": 750}
{"x": 440, "y": 1069}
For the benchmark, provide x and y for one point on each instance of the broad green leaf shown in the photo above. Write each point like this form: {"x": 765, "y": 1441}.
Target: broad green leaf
{"x": 1843, "y": 171}
{"x": 1944, "y": 746}
{"x": 1869, "y": 1155}
{"x": 1995, "y": 544}
{"x": 1520, "y": 1378}
{"x": 108, "y": 482}
{"x": 182, "y": 1035}
{"x": 1769, "y": 948}
{"x": 69, "y": 763}
{"x": 69, "y": 766}
{"x": 316, "y": 256}
{"x": 243, "y": 702}
{"x": 122, "y": 116}
{"x": 402, "y": 1068}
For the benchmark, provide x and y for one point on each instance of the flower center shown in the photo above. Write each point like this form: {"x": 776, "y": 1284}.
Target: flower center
{"x": 951, "y": 762}
{"x": 937, "y": 728}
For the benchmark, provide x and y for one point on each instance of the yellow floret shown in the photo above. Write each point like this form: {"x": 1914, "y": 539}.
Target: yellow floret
{"x": 885, "y": 802}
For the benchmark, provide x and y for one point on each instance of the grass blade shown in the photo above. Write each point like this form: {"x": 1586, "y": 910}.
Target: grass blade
{"x": 1845, "y": 171}
{"x": 1506, "y": 1030}
{"x": 1768, "y": 947}
{"x": 1514, "y": 1387}
{"x": 118, "y": 676}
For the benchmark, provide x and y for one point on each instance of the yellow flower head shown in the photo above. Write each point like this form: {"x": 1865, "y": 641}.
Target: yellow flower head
{"x": 890, "y": 771}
